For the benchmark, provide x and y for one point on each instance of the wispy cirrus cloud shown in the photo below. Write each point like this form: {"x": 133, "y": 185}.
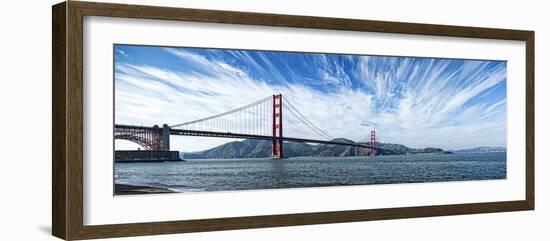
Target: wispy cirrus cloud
{"x": 418, "y": 102}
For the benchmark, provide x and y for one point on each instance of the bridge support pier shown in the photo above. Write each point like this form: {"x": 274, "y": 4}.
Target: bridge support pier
{"x": 165, "y": 137}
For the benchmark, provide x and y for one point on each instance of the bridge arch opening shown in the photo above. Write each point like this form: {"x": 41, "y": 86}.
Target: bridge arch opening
{"x": 126, "y": 145}
{"x": 153, "y": 139}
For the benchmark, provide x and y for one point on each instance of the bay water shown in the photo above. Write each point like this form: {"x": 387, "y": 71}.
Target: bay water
{"x": 300, "y": 172}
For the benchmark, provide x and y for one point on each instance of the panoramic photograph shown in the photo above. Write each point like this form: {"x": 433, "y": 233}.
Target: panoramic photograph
{"x": 189, "y": 119}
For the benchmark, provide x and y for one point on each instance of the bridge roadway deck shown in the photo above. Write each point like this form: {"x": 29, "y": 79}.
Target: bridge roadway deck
{"x": 183, "y": 132}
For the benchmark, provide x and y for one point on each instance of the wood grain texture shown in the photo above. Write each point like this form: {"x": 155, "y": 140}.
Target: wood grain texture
{"x": 154, "y": 228}
{"x": 67, "y": 136}
{"x": 58, "y": 121}
{"x": 263, "y": 19}
{"x": 74, "y": 151}
{"x": 530, "y": 120}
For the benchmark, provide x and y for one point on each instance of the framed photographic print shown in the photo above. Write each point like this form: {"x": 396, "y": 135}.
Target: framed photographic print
{"x": 171, "y": 120}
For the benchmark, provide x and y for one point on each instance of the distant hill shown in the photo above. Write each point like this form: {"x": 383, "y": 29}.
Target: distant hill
{"x": 262, "y": 149}
{"x": 481, "y": 149}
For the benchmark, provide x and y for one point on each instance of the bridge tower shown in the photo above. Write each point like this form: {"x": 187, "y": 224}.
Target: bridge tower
{"x": 165, "y": 137}
{"x": 277, "y": 141}
{"x": 372, "y": 143}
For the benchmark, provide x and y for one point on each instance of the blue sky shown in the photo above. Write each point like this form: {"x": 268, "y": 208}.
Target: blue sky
{"x": 418, "y": 102}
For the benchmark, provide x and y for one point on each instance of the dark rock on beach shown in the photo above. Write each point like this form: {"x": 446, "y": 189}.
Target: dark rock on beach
{"x": 125, "y": 189}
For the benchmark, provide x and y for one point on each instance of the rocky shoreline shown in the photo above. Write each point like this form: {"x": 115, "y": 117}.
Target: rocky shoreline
{"x": 125, "y": 189}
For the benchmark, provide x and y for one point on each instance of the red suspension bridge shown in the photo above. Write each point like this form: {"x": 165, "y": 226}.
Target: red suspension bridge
{"x": 261, "y": 120}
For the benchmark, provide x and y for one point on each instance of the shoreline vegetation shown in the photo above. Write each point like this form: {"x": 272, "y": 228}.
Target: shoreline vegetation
{"x": 262, "y": 148}
{"x": 126, "y": 189}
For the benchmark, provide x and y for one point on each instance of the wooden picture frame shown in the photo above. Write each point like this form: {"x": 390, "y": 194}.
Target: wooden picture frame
{"x": 67, "y": 123}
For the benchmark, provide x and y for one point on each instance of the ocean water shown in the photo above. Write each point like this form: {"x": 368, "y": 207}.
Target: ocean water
{"x": 251, "y": 174}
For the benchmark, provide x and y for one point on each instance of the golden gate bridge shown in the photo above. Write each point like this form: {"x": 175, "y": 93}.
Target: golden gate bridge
{"x": 260, "y": 120}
